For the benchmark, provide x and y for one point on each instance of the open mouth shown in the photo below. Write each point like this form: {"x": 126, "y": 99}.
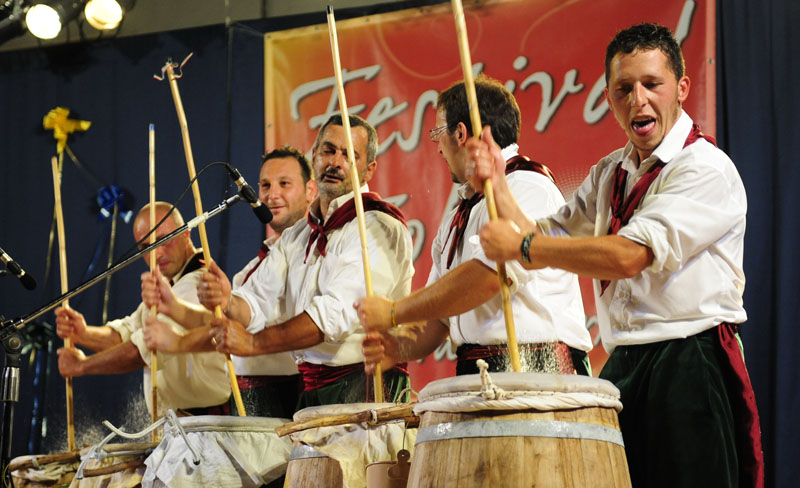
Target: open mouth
{"x": 332, "y": 176}
{"x": 643, "y": 126}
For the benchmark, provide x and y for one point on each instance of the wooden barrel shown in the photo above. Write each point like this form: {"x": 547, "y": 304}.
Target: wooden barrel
{"x": 351, "y": 445}
{"x": 312, "y": 469}
{"x": 570, "y": 438}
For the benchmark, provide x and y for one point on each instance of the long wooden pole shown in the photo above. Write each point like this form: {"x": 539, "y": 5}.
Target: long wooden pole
{"x": 198, "y": 205}
{"x": 362, "y": 227}
{"x": 402, "y": 410}
{"x": 153, "y": 264}
{"x": 62, "y": 259}
{"x": 475, "y": 118}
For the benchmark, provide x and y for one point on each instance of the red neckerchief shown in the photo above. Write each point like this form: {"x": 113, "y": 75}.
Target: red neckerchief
{"x": 346, "y": 213}
{"x": 622, "y": 209}
{"x": 263, "y": 252}
{"x": 459, "y": 223}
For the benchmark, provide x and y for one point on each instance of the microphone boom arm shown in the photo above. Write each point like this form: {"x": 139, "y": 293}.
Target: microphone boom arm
{"x": 11, "y": 326}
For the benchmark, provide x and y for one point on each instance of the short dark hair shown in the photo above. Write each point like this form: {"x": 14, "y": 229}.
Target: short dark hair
{"x": 355, "y": 121}
{"x": 288, "y": 151}
{"x": 646, "y": 37}
{"x": 497, "y": 106}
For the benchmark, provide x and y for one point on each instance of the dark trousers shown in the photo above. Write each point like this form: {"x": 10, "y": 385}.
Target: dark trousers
{"x": 677, "y": 421}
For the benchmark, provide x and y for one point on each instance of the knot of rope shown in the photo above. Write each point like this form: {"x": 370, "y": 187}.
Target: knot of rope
{"x": 488, "y": 389}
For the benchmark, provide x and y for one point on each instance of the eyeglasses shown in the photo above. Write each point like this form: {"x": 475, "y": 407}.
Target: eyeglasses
{"x": 436, "y": 133}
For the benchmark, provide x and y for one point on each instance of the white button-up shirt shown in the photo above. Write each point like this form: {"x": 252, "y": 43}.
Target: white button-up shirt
{"x": 547, "y": 303}
{"x": 190, "y": 380}
{"x": 278, "y": 364}
{"x": 326, "y": 287}
{"x": 692, "y": 218}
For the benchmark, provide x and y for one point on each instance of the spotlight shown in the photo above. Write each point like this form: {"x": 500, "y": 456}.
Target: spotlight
{"x": 103, "y": 14}
{"x": 44, "y": 19}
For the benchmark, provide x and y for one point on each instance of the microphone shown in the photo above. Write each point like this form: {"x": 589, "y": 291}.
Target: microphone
{"x": 250, "y": 196}
{"x": 27, "y": 280}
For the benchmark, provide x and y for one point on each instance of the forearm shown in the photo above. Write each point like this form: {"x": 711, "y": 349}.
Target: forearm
{"x": 418, "y": 340}
{"x": 297, "y": 333}
{"x": 120, "y": 359}
{"x": 238, "y": 310}
{"x": 98, "y": 338}
{"x": 196, "y": 340}
{"x": 449, "y": 296}
{"x": 607, "y": 257}
{"x": 191, "y": 315}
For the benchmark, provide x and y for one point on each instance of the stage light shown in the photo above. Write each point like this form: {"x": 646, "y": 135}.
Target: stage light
{"x": 103, "y": 14}
{"x": 44, "y": 19}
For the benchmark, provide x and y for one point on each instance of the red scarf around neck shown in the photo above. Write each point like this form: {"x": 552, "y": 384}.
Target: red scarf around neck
{"x": 263, "y": 252}
{"x": 343, "y": 215}
{"x": 622, "y": 209}
{"x": 459, "y": 224}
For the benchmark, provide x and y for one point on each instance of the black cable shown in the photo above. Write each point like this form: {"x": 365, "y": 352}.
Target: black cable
{"x": 135, "y": 247}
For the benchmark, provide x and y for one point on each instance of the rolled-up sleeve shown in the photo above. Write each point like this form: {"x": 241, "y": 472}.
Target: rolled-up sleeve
{"x": 538, "y": 197}
{"x": 264, "y": 288}
{"x": 341, "y": 276}
{"x": 694, "y": 206}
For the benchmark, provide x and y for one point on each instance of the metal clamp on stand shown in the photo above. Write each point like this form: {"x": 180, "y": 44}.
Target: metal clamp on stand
{"x": 9, "y": 395}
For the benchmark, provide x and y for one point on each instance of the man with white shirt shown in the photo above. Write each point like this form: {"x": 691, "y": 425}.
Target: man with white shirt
{"x": 196, "y": 383}
{"x": 462, "y": 297}
{"x": 660, "y": 226}
{"x": 270, "y": 383}
{"x": 301, "y": 299}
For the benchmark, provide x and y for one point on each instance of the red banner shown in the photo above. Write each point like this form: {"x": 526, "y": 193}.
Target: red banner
{"x": 549, "y": 53}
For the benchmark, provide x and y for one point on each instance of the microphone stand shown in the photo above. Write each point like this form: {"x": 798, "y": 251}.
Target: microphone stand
{"x": 12, "y": 342}
{"x": 9, "y": 395}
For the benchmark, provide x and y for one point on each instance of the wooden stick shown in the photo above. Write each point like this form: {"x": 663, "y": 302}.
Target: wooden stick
{"x": 377, "y": 379}
{"x": 75, "y": 455}
{"x": 115, "y": 468}
{"x": 62, "y": 259}
{"x": 402, "y": 410}
{"x": 198, "y": 206}
{"x": 475, "y": 117}
{"x": 153, "y": 264}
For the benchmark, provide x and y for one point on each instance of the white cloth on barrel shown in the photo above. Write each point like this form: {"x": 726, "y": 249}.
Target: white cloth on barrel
{"x": 355, "y": 446}
{"x": 234, "y": 451}
{"x": 520, "y": 391}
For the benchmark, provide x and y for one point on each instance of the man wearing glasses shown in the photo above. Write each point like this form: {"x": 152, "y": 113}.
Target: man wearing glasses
{"x": 462, "y": 296}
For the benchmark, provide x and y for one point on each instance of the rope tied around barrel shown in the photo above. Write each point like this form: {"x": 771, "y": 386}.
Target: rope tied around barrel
{"x": 489, "y": 391}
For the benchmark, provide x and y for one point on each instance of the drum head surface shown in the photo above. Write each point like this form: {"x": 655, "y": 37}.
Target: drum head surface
{"x": 527, "y": 382}
{"x": 228, "y": 422}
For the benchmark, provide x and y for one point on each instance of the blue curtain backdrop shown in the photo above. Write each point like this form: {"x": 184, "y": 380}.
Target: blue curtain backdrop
{"x": 757, "y": 118}
{"x": 110, "y": 83}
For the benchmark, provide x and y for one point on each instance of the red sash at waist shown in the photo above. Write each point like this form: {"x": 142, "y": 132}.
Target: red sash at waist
{"x": 319, "y": 375}
{"x": 259, "y": 381}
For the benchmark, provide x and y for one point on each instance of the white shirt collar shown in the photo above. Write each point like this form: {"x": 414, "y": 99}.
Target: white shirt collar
{"x": 510, "y": 151}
